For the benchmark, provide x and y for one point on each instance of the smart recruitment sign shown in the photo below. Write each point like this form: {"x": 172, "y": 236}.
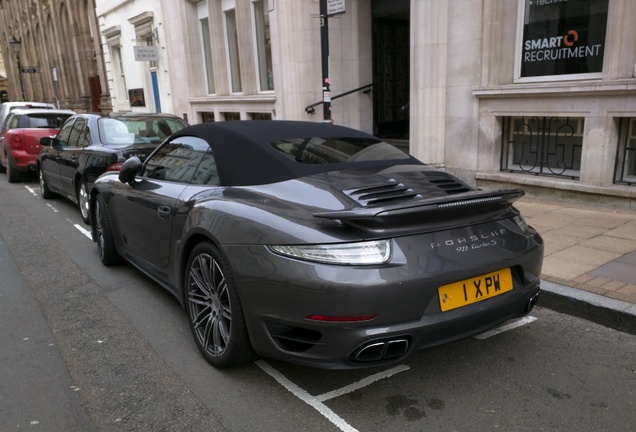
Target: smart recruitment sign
{"x": 562, "y": 37}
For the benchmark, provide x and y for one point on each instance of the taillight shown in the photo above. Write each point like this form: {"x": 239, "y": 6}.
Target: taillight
{"x": 115, "y": 167}
{"x": 16, "y": 142}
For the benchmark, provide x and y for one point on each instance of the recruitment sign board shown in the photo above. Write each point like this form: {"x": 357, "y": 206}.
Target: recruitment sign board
{"x": 562, "y": 37}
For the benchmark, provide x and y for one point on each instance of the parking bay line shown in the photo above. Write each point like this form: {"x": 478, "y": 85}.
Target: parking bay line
{"x": 317, "y": 401}
{"x": 506, "y": 327}
{"x": 30, "y": 189}
{"x": 83, "y": 230}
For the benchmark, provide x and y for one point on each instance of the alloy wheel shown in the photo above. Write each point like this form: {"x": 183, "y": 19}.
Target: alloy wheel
{"x": 210, "y": 305}
{"x": 82, "y": 200}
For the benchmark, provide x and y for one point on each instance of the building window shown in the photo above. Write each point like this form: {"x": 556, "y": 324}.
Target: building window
{"x": 231, "y": 116}
{"x": 233, "y": 50}
{"x": 547, "y": 146}
{"x": 625, "y": 171}
{"x": 150, "y": 41}
{"x": 260, "y": 116}
{"x": 118, "y": 64}
{"x": 263, "y": 45}
{"x": 207, "y": 54}
{"x": 562, "y": 39}
{"x": 207, "y": 117}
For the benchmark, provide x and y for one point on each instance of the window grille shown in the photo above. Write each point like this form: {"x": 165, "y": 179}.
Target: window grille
{"x": 546, "y": 146}
{"x": 625, "y": 170}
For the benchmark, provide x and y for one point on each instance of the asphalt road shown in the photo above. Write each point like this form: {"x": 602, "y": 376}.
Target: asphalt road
{"x": 89, "y": 348}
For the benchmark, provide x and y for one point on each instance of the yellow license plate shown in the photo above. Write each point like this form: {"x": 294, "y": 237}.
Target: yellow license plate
{"x": 470, "y": 291}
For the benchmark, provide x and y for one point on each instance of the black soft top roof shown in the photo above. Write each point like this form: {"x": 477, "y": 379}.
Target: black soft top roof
{"x": 245, "y": 156}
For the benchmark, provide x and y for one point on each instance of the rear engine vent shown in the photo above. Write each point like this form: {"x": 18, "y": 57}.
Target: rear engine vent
{"x": 382, "y": 193}
{"x": 447, "y": 183}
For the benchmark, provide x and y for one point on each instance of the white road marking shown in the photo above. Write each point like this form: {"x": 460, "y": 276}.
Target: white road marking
{"x": 506, "y": 327}
{"x": 30, "y": 189}
{"x": 84, "y": 231}
{"x": 52, "y": 208}
{"x": 316, "y": 401}
{"x": 362, "y": 383}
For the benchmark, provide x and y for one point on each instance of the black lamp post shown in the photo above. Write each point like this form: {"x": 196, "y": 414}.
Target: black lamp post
{"x": 17, "y": 44}
{"x": 324, "y": 51}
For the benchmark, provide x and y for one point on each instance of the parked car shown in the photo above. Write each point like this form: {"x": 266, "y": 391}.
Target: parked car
{"x": 88, "y": 145}
{"x": 20, "y": 138}
{"x": 315, "y": 243}
{"x": 7, "y": 107}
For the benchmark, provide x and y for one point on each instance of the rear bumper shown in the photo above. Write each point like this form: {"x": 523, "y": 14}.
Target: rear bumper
{"x": 23, "y": 161}
{"x": 279, "y": 294}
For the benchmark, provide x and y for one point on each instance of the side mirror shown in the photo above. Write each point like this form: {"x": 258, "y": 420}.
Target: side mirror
{"x": 129, "y": 170}
{"x": 47, "y": 141}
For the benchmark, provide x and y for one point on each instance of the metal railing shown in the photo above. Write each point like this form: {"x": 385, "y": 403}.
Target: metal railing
{"x": 548, "y": 146}
{"x": 366, "y": 89}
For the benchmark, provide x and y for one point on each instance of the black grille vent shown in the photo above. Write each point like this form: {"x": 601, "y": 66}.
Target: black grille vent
{"x": 448, "y": 184}
{"x": 382, "y": 193}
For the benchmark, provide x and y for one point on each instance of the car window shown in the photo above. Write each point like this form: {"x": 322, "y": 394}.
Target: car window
{"x": 74, "y": 137}
{"x": 114, "y": 131}
{"x": 147, "y": 129}
{"x": 185, "y": 160}
{"x": 317, "y": 150}
{"x": 44, "y": 120}
{"x": 11, "y": 123}
{"x": 78, "y": 133}
{"x": 65, "y": 133}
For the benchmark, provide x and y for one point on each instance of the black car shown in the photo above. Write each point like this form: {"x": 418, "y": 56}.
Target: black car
{"x": 88, "y": 145}
{"x": 316, "y": 244}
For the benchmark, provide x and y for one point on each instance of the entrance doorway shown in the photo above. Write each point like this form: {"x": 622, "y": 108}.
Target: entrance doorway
{"x": 391, "y": 62}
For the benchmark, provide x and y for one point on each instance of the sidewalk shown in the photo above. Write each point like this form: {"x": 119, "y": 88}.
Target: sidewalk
{"x": 590, "y": 260}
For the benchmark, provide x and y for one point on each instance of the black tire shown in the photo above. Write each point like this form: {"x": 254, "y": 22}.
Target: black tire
{"x": 13, "y": 175}
{"x": 45, "y": 192}
{"x": 104, "y": 234}
{"x": 83, "y": 201}
{"x": 214, "y": 309}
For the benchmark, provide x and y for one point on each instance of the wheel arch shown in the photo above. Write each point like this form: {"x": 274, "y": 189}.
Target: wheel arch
{"x": 188, "y": 245}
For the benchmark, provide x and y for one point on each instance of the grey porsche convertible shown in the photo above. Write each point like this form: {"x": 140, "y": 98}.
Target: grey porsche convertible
{"x": 315, "y": 244}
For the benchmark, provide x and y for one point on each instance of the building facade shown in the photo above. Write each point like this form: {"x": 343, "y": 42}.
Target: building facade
{"x": 135, "y": 50}
{"x": 52, "y": 53}
{"x": 4, "y": 94}
{"x": 536, "y": 94}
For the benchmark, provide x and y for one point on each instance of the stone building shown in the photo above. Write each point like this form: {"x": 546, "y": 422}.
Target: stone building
{"x": 536, "y": 94}
{"x": 135, "y": 51}
{"x": 4, "y": 94}
{"x": 59, "y": 53}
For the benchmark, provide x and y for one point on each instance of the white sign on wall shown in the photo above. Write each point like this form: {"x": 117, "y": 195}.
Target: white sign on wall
{"x": 146, "y": 53}
{"x": 335, "y": 7}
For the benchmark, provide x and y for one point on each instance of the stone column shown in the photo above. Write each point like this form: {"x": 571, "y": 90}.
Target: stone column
{"x": 429, "y": 46}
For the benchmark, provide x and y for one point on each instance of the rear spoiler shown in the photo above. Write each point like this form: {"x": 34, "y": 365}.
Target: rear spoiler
{"x": 467, "y": 200}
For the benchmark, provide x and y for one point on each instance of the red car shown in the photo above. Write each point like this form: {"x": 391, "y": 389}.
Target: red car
{"x": 20, "y": 138}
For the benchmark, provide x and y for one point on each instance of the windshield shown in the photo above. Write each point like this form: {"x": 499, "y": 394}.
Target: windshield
{"x": 138, "y": 130}
{"x": 338, "y": 150}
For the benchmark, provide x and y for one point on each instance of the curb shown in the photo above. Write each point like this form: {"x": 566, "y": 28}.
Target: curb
{"x": 612, "y": 313}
